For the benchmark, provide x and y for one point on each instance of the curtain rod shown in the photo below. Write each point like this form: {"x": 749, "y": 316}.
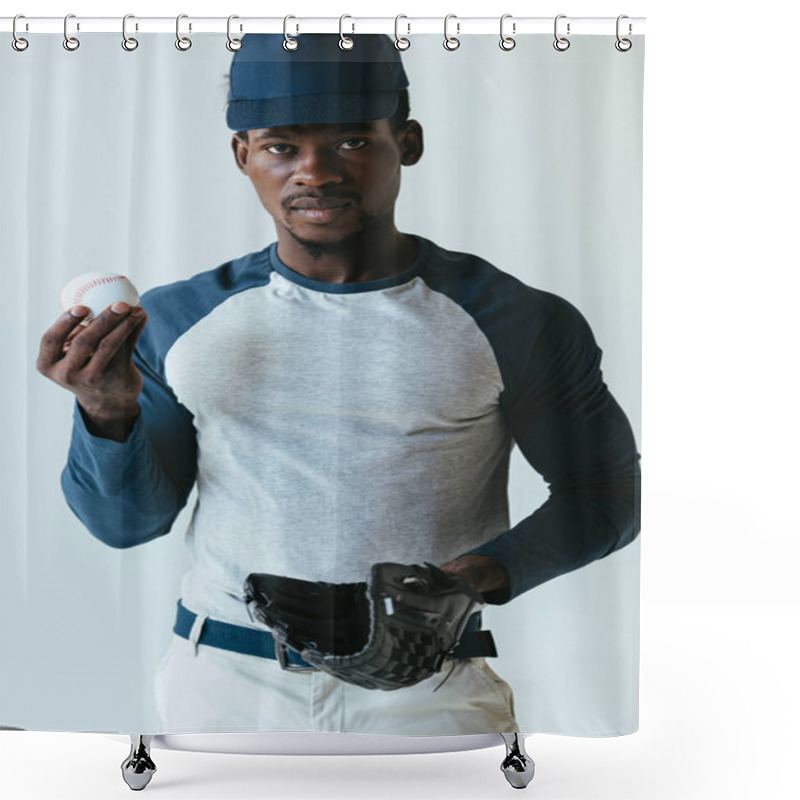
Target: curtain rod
{"x": 406, "y": 26}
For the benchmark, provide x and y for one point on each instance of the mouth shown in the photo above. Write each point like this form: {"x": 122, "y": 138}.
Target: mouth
{"x": 320, "y": 214}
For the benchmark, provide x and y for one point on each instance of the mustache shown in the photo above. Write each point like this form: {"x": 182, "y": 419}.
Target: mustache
{"x": 319, "y": 199}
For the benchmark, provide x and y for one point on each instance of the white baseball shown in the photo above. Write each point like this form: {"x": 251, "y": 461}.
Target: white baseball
{"x": 97, "y": 291}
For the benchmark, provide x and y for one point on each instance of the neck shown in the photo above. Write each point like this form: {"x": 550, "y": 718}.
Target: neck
{"x": 369, "y": 255}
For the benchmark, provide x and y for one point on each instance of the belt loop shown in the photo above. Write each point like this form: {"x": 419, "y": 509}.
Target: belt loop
{"x": 197, "y": 630}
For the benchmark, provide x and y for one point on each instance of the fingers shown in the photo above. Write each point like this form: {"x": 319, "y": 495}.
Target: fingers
{"x": 100, "y": 342}
{"x": 116, "y": 349}
{"x": 68, "y": 346}
{"x": 51, "y": 347}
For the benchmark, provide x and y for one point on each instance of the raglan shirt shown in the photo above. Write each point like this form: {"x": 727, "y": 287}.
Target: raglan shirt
{"x": 330, "y": 426}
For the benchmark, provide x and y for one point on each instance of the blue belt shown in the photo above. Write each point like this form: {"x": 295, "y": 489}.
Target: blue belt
{"x": 252, "y": 642}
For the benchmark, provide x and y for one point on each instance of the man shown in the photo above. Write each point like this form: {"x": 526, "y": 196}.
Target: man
{"x": 348, "y": 395}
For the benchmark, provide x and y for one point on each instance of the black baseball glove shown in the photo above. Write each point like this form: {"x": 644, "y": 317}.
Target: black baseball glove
{"x": 394, "y": 631}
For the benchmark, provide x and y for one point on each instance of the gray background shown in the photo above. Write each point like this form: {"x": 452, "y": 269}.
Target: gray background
{"x": 121, "y": 161}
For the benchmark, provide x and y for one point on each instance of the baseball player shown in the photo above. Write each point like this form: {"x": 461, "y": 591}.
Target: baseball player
{"x": 347, "y": 396}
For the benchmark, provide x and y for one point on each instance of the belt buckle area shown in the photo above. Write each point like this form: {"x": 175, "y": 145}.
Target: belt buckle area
{"x": 283, "y": 660}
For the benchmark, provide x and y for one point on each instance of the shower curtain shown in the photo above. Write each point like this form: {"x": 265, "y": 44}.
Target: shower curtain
{"x": 361, "y": 345}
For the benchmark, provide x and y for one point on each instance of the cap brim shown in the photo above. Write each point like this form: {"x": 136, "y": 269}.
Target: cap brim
{"x": 245, "y": 115}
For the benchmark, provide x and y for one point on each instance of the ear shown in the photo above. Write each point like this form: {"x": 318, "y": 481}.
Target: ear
{"x": 411, "y": 143}
{"x": 241, "y": 152}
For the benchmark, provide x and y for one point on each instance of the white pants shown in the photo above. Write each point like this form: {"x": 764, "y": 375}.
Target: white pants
{"x": 204, "y": 689}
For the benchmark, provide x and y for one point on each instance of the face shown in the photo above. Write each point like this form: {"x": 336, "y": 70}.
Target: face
{"x": 327, "y": 183}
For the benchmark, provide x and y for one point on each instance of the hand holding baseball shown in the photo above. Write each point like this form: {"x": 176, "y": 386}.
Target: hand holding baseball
{"x": 89, "y": 351}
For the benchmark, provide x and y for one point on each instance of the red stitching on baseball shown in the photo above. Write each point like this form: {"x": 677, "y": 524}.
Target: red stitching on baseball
{"x": 81, "y": 291}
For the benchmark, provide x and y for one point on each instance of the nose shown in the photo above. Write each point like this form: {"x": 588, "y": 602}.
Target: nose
{"x": 316, "y": 167}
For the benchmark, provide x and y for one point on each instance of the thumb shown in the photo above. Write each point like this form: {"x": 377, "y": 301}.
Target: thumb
{"x": 124, "y": 355}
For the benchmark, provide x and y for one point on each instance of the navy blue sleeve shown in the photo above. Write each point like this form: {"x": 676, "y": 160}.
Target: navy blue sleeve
{"x": 572, "y": 431}
{"x": 127, "y": 493}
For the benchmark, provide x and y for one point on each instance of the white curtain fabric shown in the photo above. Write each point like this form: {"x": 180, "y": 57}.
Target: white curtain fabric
{"x": 121, "y": 161}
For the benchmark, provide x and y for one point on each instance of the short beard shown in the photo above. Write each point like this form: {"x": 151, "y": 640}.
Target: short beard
{"x": 318, "y": 249}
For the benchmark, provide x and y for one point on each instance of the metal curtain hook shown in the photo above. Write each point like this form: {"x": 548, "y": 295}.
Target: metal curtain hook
{"x": 507, "y": 42}
{"x": 623, "y": 45}
{"x": 288, "y": 42}
{"x": 233, "y": 44}
{"x": 451, "y": 42}
{"x": 345, "y": 42}
{"x": 70, "y": 42}
{"x": 182, "y": 42}
{"x": 401, "y": 43}
{"x": 128, "y": 42}
{"x": 561, "y": 43}
{"x": 18, "y": 43}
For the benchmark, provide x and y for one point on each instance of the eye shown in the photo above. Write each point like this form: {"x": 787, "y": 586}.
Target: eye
{"x": 358, "y": 142}
{"x": 269, "y": 148}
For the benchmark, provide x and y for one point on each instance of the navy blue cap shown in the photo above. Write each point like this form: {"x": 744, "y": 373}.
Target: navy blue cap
{"x": 317, "y": 82}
